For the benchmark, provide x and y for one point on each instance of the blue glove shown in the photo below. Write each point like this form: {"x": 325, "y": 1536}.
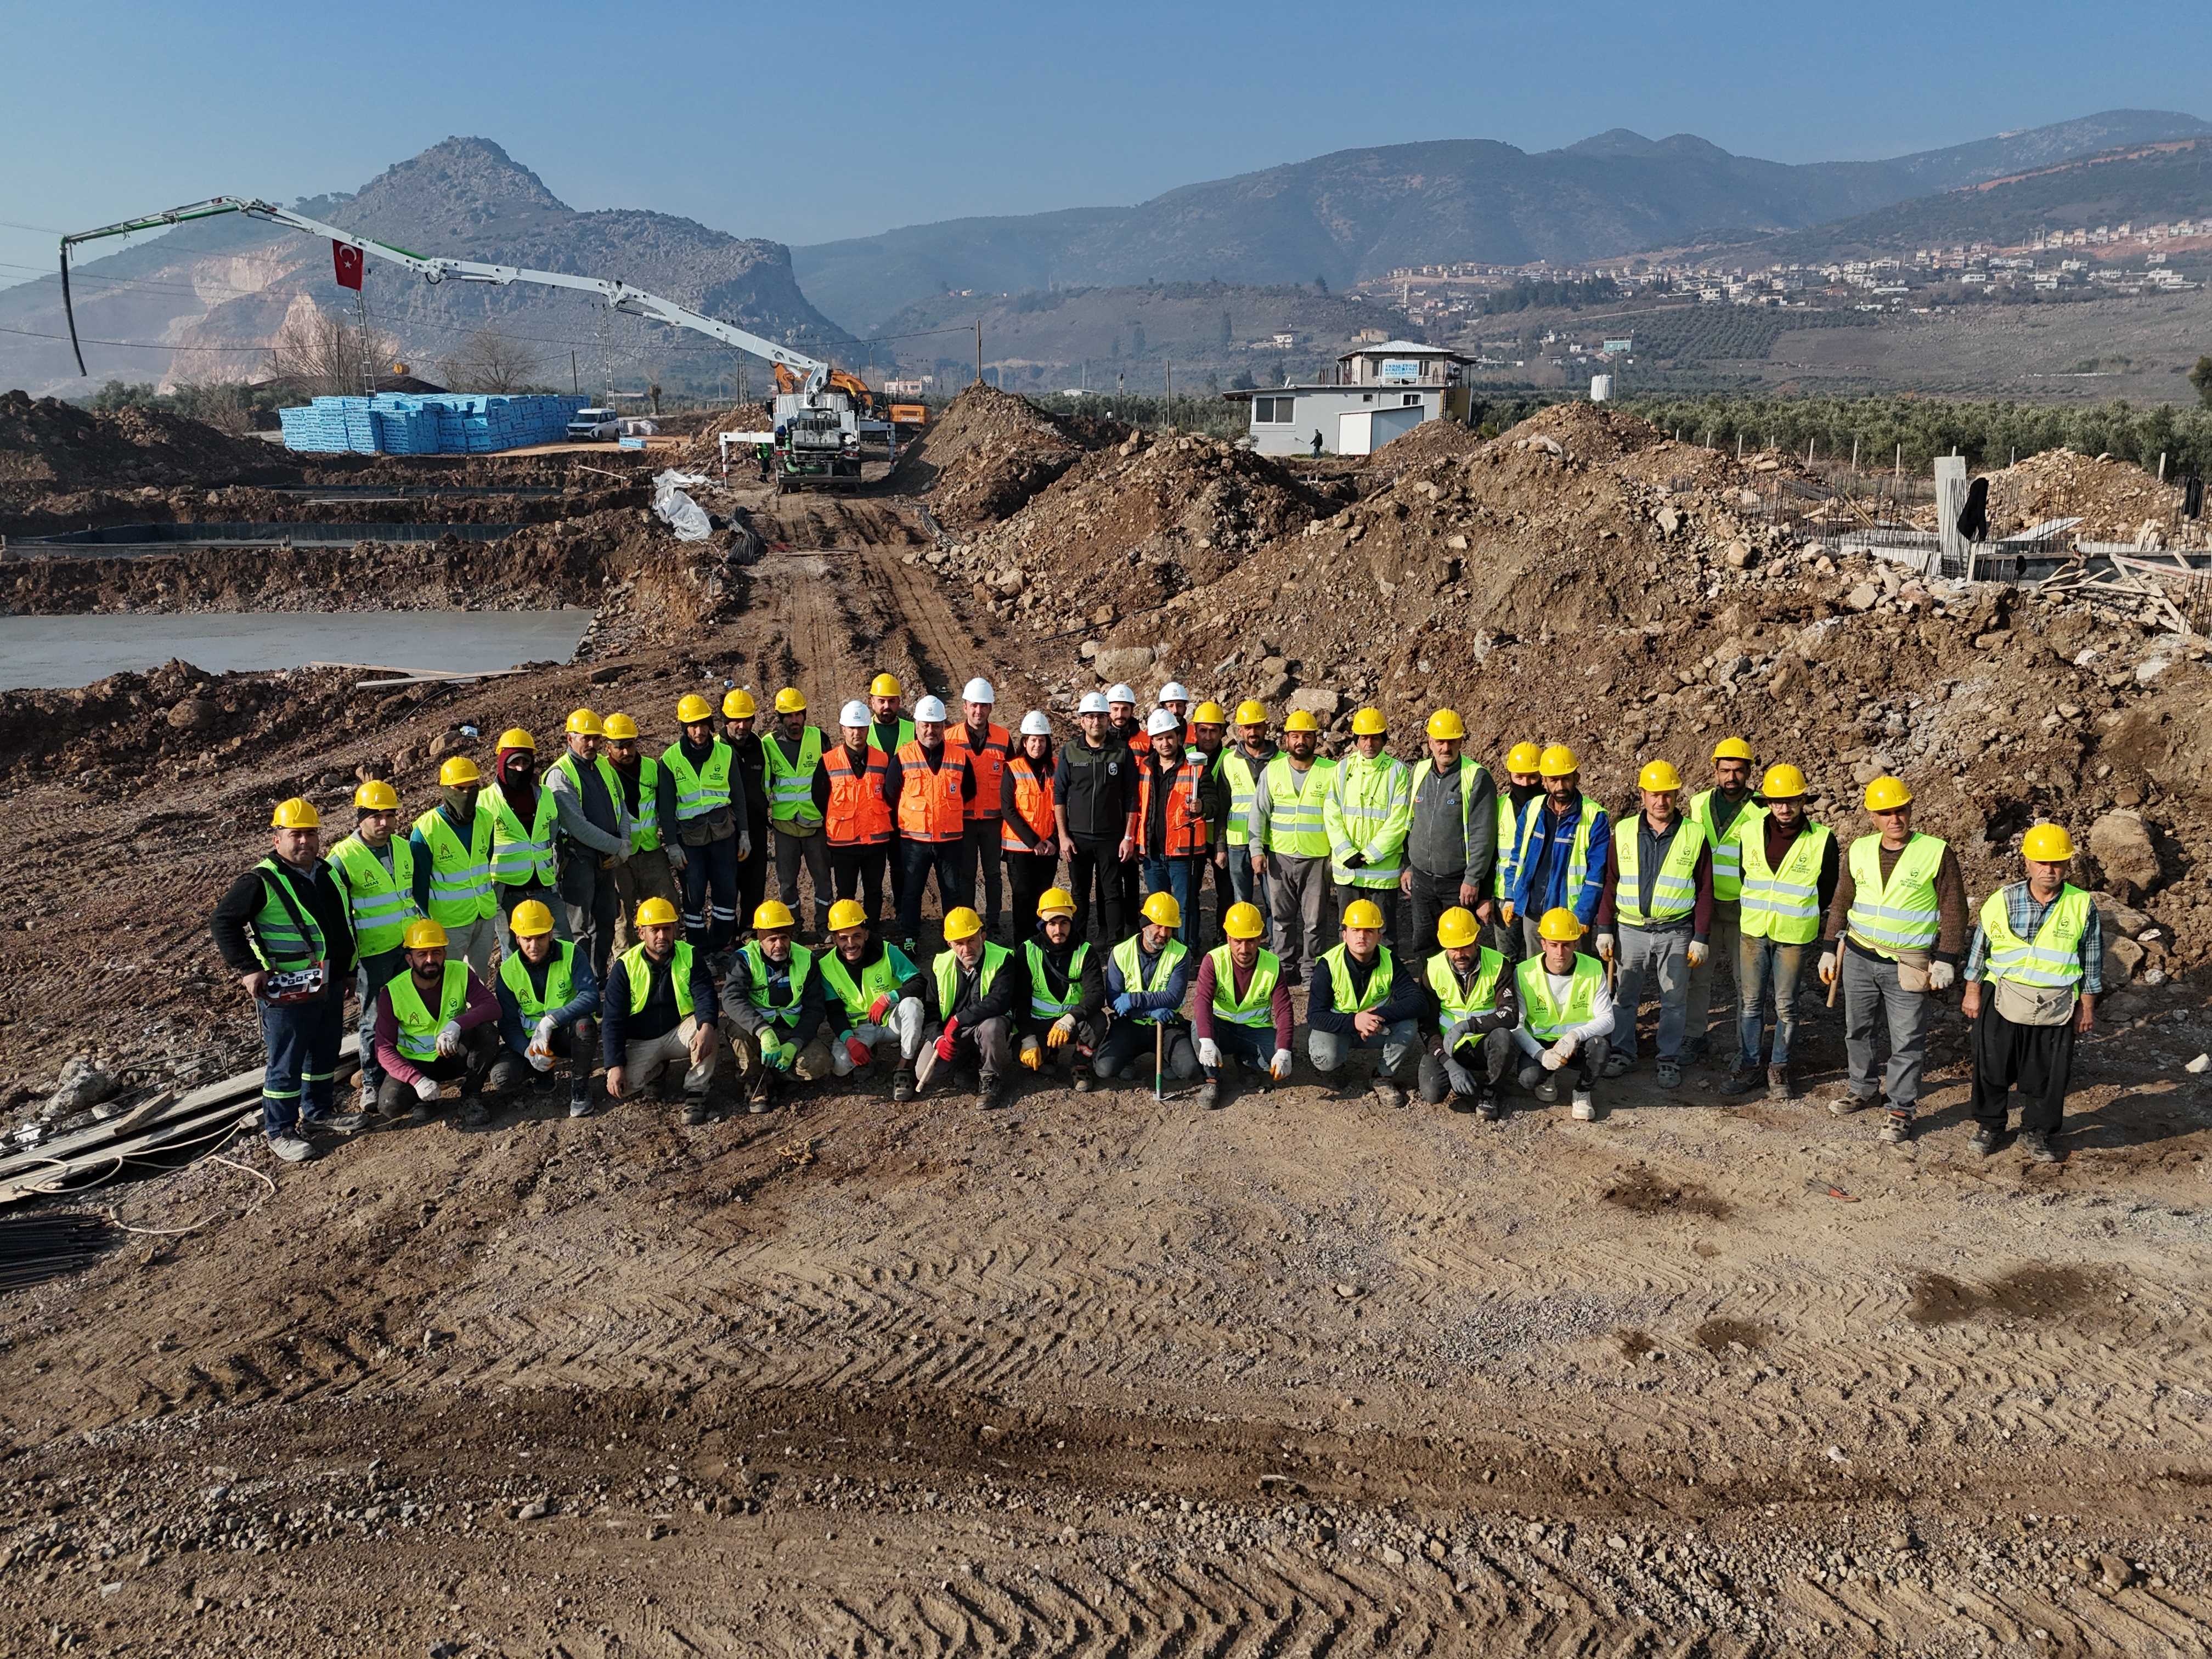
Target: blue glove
{"x": 1122, "y": 1004}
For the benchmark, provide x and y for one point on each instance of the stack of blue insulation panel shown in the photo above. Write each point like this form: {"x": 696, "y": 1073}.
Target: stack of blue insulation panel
{"x": 448, "y": 423}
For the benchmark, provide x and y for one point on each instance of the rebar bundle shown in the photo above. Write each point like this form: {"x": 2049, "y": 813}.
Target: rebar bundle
{"x": 36, "y": 1248}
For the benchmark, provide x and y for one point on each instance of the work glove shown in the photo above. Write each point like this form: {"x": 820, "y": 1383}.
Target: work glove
{"x": 1699, "y": 951}
{"x": 1940, "y": 975}
{"x": 1121, "y": 1005}
{"x": 1355, "y": 860}
{"x": 1279, "y": 1067}
{"x": 1062, "y": 1032}
{"x": 544, "y": 1038}
{"x": 676, "y": 858}
{"x": 946, "y": 1039}
{"x": 1565, "y": 1047}
{"x": 1551, "y": 1060}
{"x": 1209, "y": 1052}
{"x": 449, "y": 1038}
{"x": 1827, "y": 969}
{"x": 744, "y": 847}
{"x": 1605, "y": 947}
{"x": 426, "y": 1088}
{"x": 1505, "y": 911}
{"x": 779, "y": 1055}
{"x": 1032, "y": 1055}
{"x": 858, "y": 1051}
{"x": 882, "y": 1005}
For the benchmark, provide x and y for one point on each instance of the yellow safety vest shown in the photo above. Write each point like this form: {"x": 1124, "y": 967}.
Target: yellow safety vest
{"x": 2052, "y": 959}
{"x": 791, "y": 782}
{"x": 1459, "y": 1001}
{"x": 1673, "y": 890}
{"x": 1368, "y": 809}
{"x": 1294, "y": 807}
{"x": 1903, "y": 915}
{"x": 1545, "y": 1019}
{"x": 1783, "y": 905}
{"x": 1727, "y": 867}
{"x": 1256, "y": 1006}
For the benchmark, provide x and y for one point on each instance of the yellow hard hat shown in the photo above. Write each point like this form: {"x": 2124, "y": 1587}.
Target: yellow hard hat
{"x": 1782, "y": 782}
{"x": 583, "y": 723}
{"x": 789, "y": 701}
{"x": 884, "y": 685}
{"x": 1658, "y": 775}
{"x": 1445, "y": 725}
{"x": 1251, "y": 712}
{"x": 773, "y": 914}
{"x": 376, "y": 796}
{"x": 1243, "y": 921}
{"x": 1209, "y": 712}
{"x": 693, "y": 710}
{"x": 295, "y": 814}
{"x": 619, "y": 728}
{"x": 656, "y": 913}
{"x": 1056, "y": 901}
{"x": 1301, "y": 720}
{"x": 1524, "y": 758}
{"x": 2047, "y": 843}
{"x": 961, "y": 922}
{"x": 1732, "y": 749}
{"x": 1886, "y": 794}
{"x": 458, "y": 770}
{"x": 1162, "y": 910}
{"x": 1559, "y": 925}
{"x": 530, "y": 918}
{"x": 1369, "y": 723}
{"x": 1363, "y": 913}
{"x": 1557, "y": 761}
{"x": 846, "y": 912}
{"x": 424, "y": 934}
{"x": 737, "y": 705}
{"x": 1456, "y": 928}
{"x": 515, "y": 737}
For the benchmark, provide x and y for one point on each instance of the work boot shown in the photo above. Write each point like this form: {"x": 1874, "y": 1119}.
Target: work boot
{"x": 1210, "y": 1095}
{"x": 292, "y": 1148}
{"x": 1585, "y": 1108}
{"x": 1985, "y": 1141}
{"x": 541, "y": 1083}
{"x": 763, "y": 1096}
{"x": 1777, "y": 1083}
{"x": 342, "y": 1123}
{"x": 424, "y": 1110}
{"x": 2037, "y": 1144}
{"x": 1386, "y": 1090}
{"x": 1897, "y": 1129}
{"x": 903, "y": 1084}
{"x": 1667, "y": 1073}
{"x": 580, "y": 1104}
{"x": 1487, "y": 1106}
{"x": 1740, "y": 1080}
{"x": 1847, "y": 1102}
{"x": 990, "y": 1095}
{"x": 695, "y": 1112}
{"x": 1087, "y": 1079}
{"x": 473, "y": 1112}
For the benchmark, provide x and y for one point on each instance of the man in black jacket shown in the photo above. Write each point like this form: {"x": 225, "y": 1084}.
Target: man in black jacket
{"x": 1094, "y": 788}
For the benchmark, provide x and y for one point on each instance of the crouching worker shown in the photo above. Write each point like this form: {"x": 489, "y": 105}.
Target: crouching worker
{"x": 1363, "y": 998}
{"x": 547, "y": 996}
{"x": 651, "y": 1015}
{"x": 1067, "y": 990}
{"x": 1469, "y": 1008}
{"x": 967, "y": 1006}
{"x": 1147, "y": 977}
{"x": 435, "y": 1022}
{"x": 863, "y": 983}
{"x": 1567, "y": 1014}
{"x": 1241, "y": 1010}
{"x": 771, "y": 1004}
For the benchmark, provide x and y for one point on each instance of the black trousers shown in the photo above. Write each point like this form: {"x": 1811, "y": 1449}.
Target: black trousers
{"x": 2036, "y": 1059}
{"x": 752, "y": 875}
{"x": 1096, "y": 863}
{"x": 1028, "y": 876}
{"x": 1432, "y": 895}
{"x": 860, "y": 869}
{"x": 979, "y": 854}
{"x": 1131, "y": 876}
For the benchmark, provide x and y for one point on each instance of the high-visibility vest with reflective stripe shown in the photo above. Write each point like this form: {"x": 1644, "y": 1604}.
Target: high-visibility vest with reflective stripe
{"x": 1545, "y": 1019}
{"x": 1467, "y": 771}
{"x": 1460, "y": 1001}
{"x": 987, "y": 761}
{"x": 380, "y": 903}
{"x": 645, "y": 827}
{"x": 1255, "y": 1007}
{"x": 759, "y": 990}
{"x": 1236, "y": 767}
{"x": 1673, "y": 890}
{"x": 278, "y": 937}
{"x": 1338, "y": 960}
{"x": 880, "y": 978}
{"x": 460, "y": 876}
{"x": 859, "y": 816}
{"x": 1128, "y": 957}
{"x": 419, "y": 1026}
{"x": 947, "y": 968}
{"x": 901, "y": 735}
{"x": 929, "y": 805}
{"x": 640, "y": 971}
{"x": 1578, "y": 852}
{"x": 1783, "y": 905}
{"x": 560, "y": 981}
{"x": 519, "y": 856}
{"x": 1033, "y": 804}
{"x": 704, "y": 789}
{"x": 1183, "y": 825}
{"x": 2052, "y": 959}
{"x": 1903, "y": 915}
{"x": 608, "y": 782}
{"x": 1502, "y": 882}
{"x": 1728, "y": 867}
{"x": 1294, "y": 804}
{"x": 1368, "y": 795}
{"x": 791, "y": 782}
{"x": 1042, "y": 1004}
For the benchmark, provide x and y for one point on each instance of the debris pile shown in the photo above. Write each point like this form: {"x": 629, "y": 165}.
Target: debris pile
{"x": 2116, "y": 500}
{"x": 991, "y": 452}
{"x": 46, "y": 445}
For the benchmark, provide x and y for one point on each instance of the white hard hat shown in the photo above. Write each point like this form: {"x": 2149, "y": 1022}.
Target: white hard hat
{"x": 1162, "y": 721}
{"x": 853, "y": 713}
{"x": 930, "y": 708}
{"x": 978, "y": 690}
{"x": 1175, "y": 691}
{"x": 1035, "y": 725}
{"x": 1119, "y": 694}
{"x": 1094, "y": 702}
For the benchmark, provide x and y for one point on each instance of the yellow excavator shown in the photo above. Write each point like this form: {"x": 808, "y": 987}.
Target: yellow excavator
{"x": 851, "y": 384}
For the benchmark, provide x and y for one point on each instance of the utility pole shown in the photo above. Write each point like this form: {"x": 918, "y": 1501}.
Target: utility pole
{"x": 1169, "y": 362}
{"x": 979, "y": 349}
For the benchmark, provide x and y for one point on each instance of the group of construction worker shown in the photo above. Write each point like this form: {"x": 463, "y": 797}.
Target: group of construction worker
{"x": 481, "y": 937}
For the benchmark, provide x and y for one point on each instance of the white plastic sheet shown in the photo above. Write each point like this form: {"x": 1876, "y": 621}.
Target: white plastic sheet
{"x": 677, "y": 510}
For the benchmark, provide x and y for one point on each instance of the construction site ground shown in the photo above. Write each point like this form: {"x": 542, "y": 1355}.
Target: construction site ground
{"x": 1104, "y": 1372}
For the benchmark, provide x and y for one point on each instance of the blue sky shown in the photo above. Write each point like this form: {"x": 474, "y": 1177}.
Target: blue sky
{"x": 842, "y": 119}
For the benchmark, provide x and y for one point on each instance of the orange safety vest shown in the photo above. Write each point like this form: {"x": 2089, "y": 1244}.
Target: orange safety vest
{"x": 859, "y": 816}
{"x": 1186, "y": 825}
{"x": 988, "y": 763}
{"x": 929, "y": 805}
{"x": 1033, "y": 801}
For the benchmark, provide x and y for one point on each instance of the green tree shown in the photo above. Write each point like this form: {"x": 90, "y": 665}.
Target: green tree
{"x": 2201, "y": 378}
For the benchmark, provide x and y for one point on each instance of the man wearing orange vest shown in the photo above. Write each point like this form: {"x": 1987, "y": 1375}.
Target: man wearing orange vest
{"x": 983, "y": 745}
{"x": 1178, "y": 797}
{"x": 1030, "y": 815}
{"x": 862, "y": 804}
{"x": 933, "y": 786}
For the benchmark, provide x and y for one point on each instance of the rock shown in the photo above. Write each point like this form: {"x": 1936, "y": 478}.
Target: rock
{"x": 82, "y": 1084}
{"x": 1275, "y": 689}
{"x": 1010, "y": 581}
{"x": 1319, "y": 699}
{"x": 2117, "y": 1573}
{"x": 535, "y": 1509}
{"x": 193, "y": 715}
{"x": 1393, "y": 1558}
{"x": 1862, "y": 598}
{"x": 1087, "y": 650}
{"x": 2120, "y": 918}
{"x": 2149, "y": 671}
{"x": 1667, "y": 520}
{"x": 1457, "y": 543}
{"x": 2201, "y": 1065}
{"x": 1127, "y": 662}
{"x": 1736, "y": 555}
{"x": 2122, "y": 958}
{"x": 2122, "y": 844}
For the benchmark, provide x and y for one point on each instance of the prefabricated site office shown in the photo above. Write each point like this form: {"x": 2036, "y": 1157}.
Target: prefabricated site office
{"x": 1379, "y": 392}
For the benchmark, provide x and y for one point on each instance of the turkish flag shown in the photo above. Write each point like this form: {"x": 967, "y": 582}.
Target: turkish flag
{"x": 348, "y": 260}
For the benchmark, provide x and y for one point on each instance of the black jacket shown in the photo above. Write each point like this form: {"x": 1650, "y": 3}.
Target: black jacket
{"x": 1099, "y": 787}
{"x": 326, "y": 903}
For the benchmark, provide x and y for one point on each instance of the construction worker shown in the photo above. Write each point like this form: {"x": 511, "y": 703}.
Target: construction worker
{"x": 967, "y": 999}
{"x": 436, "y": 1022}
{"x": 1896, "y": 928}
{"x": 1368, "y": 811}
{"x": 593, "y": 839}
{"x": 772, "y": 1009}
{"x": 748, "y": 762}
{"x": 1094, "y": 795}
{"x": 1718, "y": 811}
{"x": 1451, "y": 834}
{"x": 2040, "y": 947}
{"x": 891, "y": 731}
{"x": 1177, "y": 798}
{"x": 658, "y": 1008}
{"x": 523, "y": 817}
{"x": 1209, "y": 727}
{"x": 982, "y": 746}
{"x": 1363, "y": 998}
{"x": 859, "y": 802}
{"x": 1658, "y": 892}
{"x": 1122, "y": 724}
{"x": 1028, "y": 816}
{"x": 797, "y": 799}
{"x": 547, "y": 996}
{"x": 1241, "y": 764}
{"x": 1522, "y": 784}
{"x": 933, "y": 788}
{"x": 375, "y": 872}
{"x": 648, "y": 801}
{"x": 864, "y": 981}
{"x": 1470, "y": 1007}
{"x": 283, "y": 929}
{"x": 1147, "y": 976}
{"x": 450, "y": 846}
{"x": 1067, "y": 990}
{"x": 1552, "y": 864}
{"x": 1787, "y": 865}
{"x": 712, "y": 811}
{"x": 1240, "y": 1008}
{"x": 1290, "y": 847}
{"x": 1567, "y": 1014}
{"x": 1175, "y": 698}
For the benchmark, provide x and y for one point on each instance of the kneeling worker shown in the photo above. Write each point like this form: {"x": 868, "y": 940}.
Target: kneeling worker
{"x": 547, "y": 993}
{"x": 968, "y": 1003}
{"x": 864, "y": 980}
{"x": 1067, "y": 990}
{"x": 1469, "y": 1008}
{"x": 435, "y": 1023}
{"x": 1363, "y": 998}
{"x": 1566, "y": 1013}
{"x": 651, "y": 1013}
{"x": 772, "y": 1002}
{"x": 1147, "y": 976}
{"x": 1241, "y": 1009}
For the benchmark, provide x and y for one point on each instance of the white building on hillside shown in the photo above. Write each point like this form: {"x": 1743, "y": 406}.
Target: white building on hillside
{"x": 1380, "y": 391}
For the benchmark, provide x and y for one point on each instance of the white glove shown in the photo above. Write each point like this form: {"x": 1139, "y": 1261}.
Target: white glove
{"x": 1940, "y": 975}
{"x": 426, "y": 1088}
{"x": 1550, "y": 1059}
{"x": 1605, "y": 947}
{"x": 1209, "y": 1052}
{"x": 744, "y": 846}
{"x": 870, "y": 1035}
{"x": 543, "y": 1039}
{"x": 1828, "y": 967}
{"x": 449, "y": 1038}
{"x": 1279, "y": 1067}
{"x": 1565, "y": 1047}
{"x": 1699, "y": 951}
{"x": 539, "y": 1059}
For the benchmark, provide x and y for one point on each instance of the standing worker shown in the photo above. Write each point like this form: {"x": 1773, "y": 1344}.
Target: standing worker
{"x": 1240, "y": 1008}
{"x": 1209, "y": 725}
{"x": 658, "y": 1008}
{"x": 1470, "y": 1004}
{"x": 648, "y": 801}
{"x": 1552, "y": 867}
{"x": 1066, "y": 991}
{"x": 891, "y": 731}
{"x": 1241, "y": 762}
{"x": 1451, "y": 837}
{"x": 1719, "y": 811}
{"x": 1122, "y": 724}
{"x": 1094, "y": 795}
{"x": 748, "y": 763}
{"x": 1895, "y": 930}
{"x": 1177, "y": 798}
{"x": 547, "y": 996}
{"x": 522, "y": 817}
{"x": 1522, "y": 784}
{"x": 772, "y": 1006}
{"x": 1175, "y": 698}
{"x": 934, "y": 789}
{"x": 436, "y": 1022}
{"x": 982, "y": 746}
{"x": 451, "y": 850}
{"x": 1291, "y": 847}
{"x": 1567, "y": 1014}
{"x": 798, "y": 795}
{"x": 857, "y": 813}
{"x": 1363, "y": 998}
{"x": 1367, "y": 812}
{"x": 2041, "y": 945}
{"x": 593, "y": 838}
{"x": 1788, "y": 867}
{"x": 1147, "y": 976}
{"x": 1028, "y": 817}
{"x": 711, "y": 837}
{"x": 1659, "y": 891}
{"x": 375, "y": 872}
{"x": 968, "y": 996}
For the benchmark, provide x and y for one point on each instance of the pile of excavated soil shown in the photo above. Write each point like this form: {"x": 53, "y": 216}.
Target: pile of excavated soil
{"x": 47, "y": 445}
{"x": 2115, "y": 500}
{"x": 1430, "y": 441}
{"x": 991, "y": 452}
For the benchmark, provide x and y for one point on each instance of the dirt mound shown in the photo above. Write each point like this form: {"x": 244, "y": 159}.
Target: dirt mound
{"x": 991, "y": 452}
{"x": 50, "y": 444}
{"x": 2114, "y": 499}
{"x": 1425, "y": 445}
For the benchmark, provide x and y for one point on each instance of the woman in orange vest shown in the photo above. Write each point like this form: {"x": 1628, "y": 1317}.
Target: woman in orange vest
{"x": 1031, "y": 827}
{"x": 933, "y": 785}
{"x": 857, "y": 820}
{"x": 1177, "y": 798}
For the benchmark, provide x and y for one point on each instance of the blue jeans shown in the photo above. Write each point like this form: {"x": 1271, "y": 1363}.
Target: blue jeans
{"x": 710, "y": 878}
{"x": 1249, "y": 889}
{"x": 376, "y": 972}
{"x": 1327, "y": 1049}
{"x": 1758, "y": 962}
{"x": 1250, "y": 1046}
{"x": 916, "y": 859}
{"x": 302, "y": 1039}
{"x": 1180, "y": 877}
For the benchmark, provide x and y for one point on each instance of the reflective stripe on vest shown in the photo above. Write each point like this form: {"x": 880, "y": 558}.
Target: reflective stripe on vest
{"x": 1243, "y": 783}
{"x": 380, "y": 903}
{"x": 1578, "y": 853}
{"x": 791, "y": 782}
{"x": 1501, "y": 883}
{"x": 1458, "y": 1001}
{"x": 284, "y": 938}
{"x": 1674, "y": 890}
{"x": 987, "y": 763}
{"x": 880, "y": 978}
{"x": 1042, "y": 1004}
{"x": 560, "y": 980}
{"x": 1783, "y": 905}
{"x": 1338, "y": 962}
{"x": 859, "y": 815}
{"x": 519, "y": 857}
{"x": 1128, "y": 957}
{"x": 1255, "y": 1008}
{"x": 1728, "y": 865}
{"x": 1033, "y": 804}
{"x": 1904, "y": 915}
{"x": 758, "y": 972}
{"x": 2052, "y": 958}
{"x": 645, "y": 827}
{"x": 1545, "y": 1020}
{"x": 947, "y": 967}
{"x": 703, "y": 790}
{"x": 1183, "y": 828}
{"x": 1294, "y": 798}
{"x": 418, "y": 1027}
{"x": 460, "y": 877}
{"x": 929, "y": 805}
{"x": 640, "y": 970}
{"x": 1368, "y": 794}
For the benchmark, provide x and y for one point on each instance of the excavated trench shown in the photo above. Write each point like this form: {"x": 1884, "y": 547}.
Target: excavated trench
{"x": 125, "y": 541}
